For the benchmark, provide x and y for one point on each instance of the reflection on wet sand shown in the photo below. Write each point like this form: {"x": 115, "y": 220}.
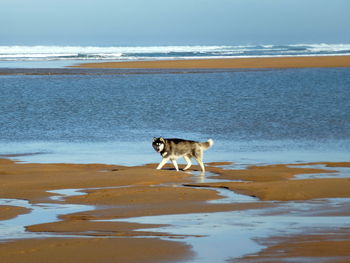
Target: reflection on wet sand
{"x": 245, "y": 212}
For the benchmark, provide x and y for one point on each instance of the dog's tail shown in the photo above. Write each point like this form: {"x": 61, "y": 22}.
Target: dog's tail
{"x": 207, "y": 145}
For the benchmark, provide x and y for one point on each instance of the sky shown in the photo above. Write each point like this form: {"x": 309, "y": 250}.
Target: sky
{"x": 180, "y": 22}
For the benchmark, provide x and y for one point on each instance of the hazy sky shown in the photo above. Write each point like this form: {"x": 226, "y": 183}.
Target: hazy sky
{"x": 177, "y": 22}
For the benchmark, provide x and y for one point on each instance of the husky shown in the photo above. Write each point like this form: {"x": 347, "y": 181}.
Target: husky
{"x": 172, "y": 149}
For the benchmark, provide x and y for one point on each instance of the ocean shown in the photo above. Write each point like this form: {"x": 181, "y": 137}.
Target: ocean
{"x": 59, "y": 56}
{"x": 254, "y": 116}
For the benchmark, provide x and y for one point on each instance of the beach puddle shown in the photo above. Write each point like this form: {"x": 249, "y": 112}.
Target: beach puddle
{"x": 229, "y": 197}
{"x": 61, "y": 194}
{"x": 214, "y": 237}
{"x": 229, "y": 235}
{"x": 209, "y": 177}
{"x": 40, "y": 213}
{"x": 64, "y": 193}
{"x": 334, "y": 172}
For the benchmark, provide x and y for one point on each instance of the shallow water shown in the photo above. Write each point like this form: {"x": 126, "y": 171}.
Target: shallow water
{"x": 265, "y": 116}
{"x": 39, "y": 214}
{"x": 230, "y": 235}
{"x": 335, "y": 172}
{"x": 49, "y": 212}
{"x": 254, "y": 117}
{"x": 214, "y": 237}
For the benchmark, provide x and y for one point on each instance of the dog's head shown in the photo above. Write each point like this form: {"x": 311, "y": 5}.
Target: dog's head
{"x": 158, "y": 144}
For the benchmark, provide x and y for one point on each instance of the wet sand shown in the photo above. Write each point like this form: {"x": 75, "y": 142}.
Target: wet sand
{"x": 118, "y": 192}
{"x": 320, "y": 247}
{"x": 92, "y": 250}
{"x": 8, "y": 212}
{"x": 237, "y": 63}
{"x": 270, "y": 183}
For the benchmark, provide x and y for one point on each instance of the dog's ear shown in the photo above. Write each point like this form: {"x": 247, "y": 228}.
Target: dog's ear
{"x": 162, "y": 139}
{"x": 154, "y": 139}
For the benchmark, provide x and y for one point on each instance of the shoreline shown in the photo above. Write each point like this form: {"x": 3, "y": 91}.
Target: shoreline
{"x": 184, "y": 66}
{"x": 228, "y": 63}
{"x": 123, "y": 192}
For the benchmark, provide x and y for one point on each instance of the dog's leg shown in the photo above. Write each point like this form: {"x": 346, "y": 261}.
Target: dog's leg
{"x": 175, "y": 164}
{"x": 198, "y": 157}
{"x": 201, "y": 164}
{"x": 161, "y": 164}
{"x": 189, "y": 163}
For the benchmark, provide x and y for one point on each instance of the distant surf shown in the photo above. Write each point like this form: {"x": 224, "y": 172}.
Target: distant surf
{"x": 94, "y": 53}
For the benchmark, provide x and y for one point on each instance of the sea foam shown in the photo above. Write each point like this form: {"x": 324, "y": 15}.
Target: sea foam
{"x": 49, "y": 53}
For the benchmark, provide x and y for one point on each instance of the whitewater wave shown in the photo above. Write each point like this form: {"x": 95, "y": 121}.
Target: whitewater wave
{"x": 49, "y": 53}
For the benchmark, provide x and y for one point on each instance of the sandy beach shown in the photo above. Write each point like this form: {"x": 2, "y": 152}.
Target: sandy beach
{"x": 86, "y": 85}
{"x": 238, "y": 63}
{"x": 106, "y": 196}
{"x": 119, "y": 192}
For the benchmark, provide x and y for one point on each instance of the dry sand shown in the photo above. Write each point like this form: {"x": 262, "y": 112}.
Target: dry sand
{"x": 267, "y": 62}
{"x": 141, "y": 191}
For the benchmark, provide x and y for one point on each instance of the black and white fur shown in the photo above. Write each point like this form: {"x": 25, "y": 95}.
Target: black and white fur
{"x": 172, "y": 149}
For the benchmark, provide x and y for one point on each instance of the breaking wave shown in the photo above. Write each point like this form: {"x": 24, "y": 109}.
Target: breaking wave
{"x": 50, "y": 53}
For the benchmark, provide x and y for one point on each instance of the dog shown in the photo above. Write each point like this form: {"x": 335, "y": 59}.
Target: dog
{"x": 173, "y": 149}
